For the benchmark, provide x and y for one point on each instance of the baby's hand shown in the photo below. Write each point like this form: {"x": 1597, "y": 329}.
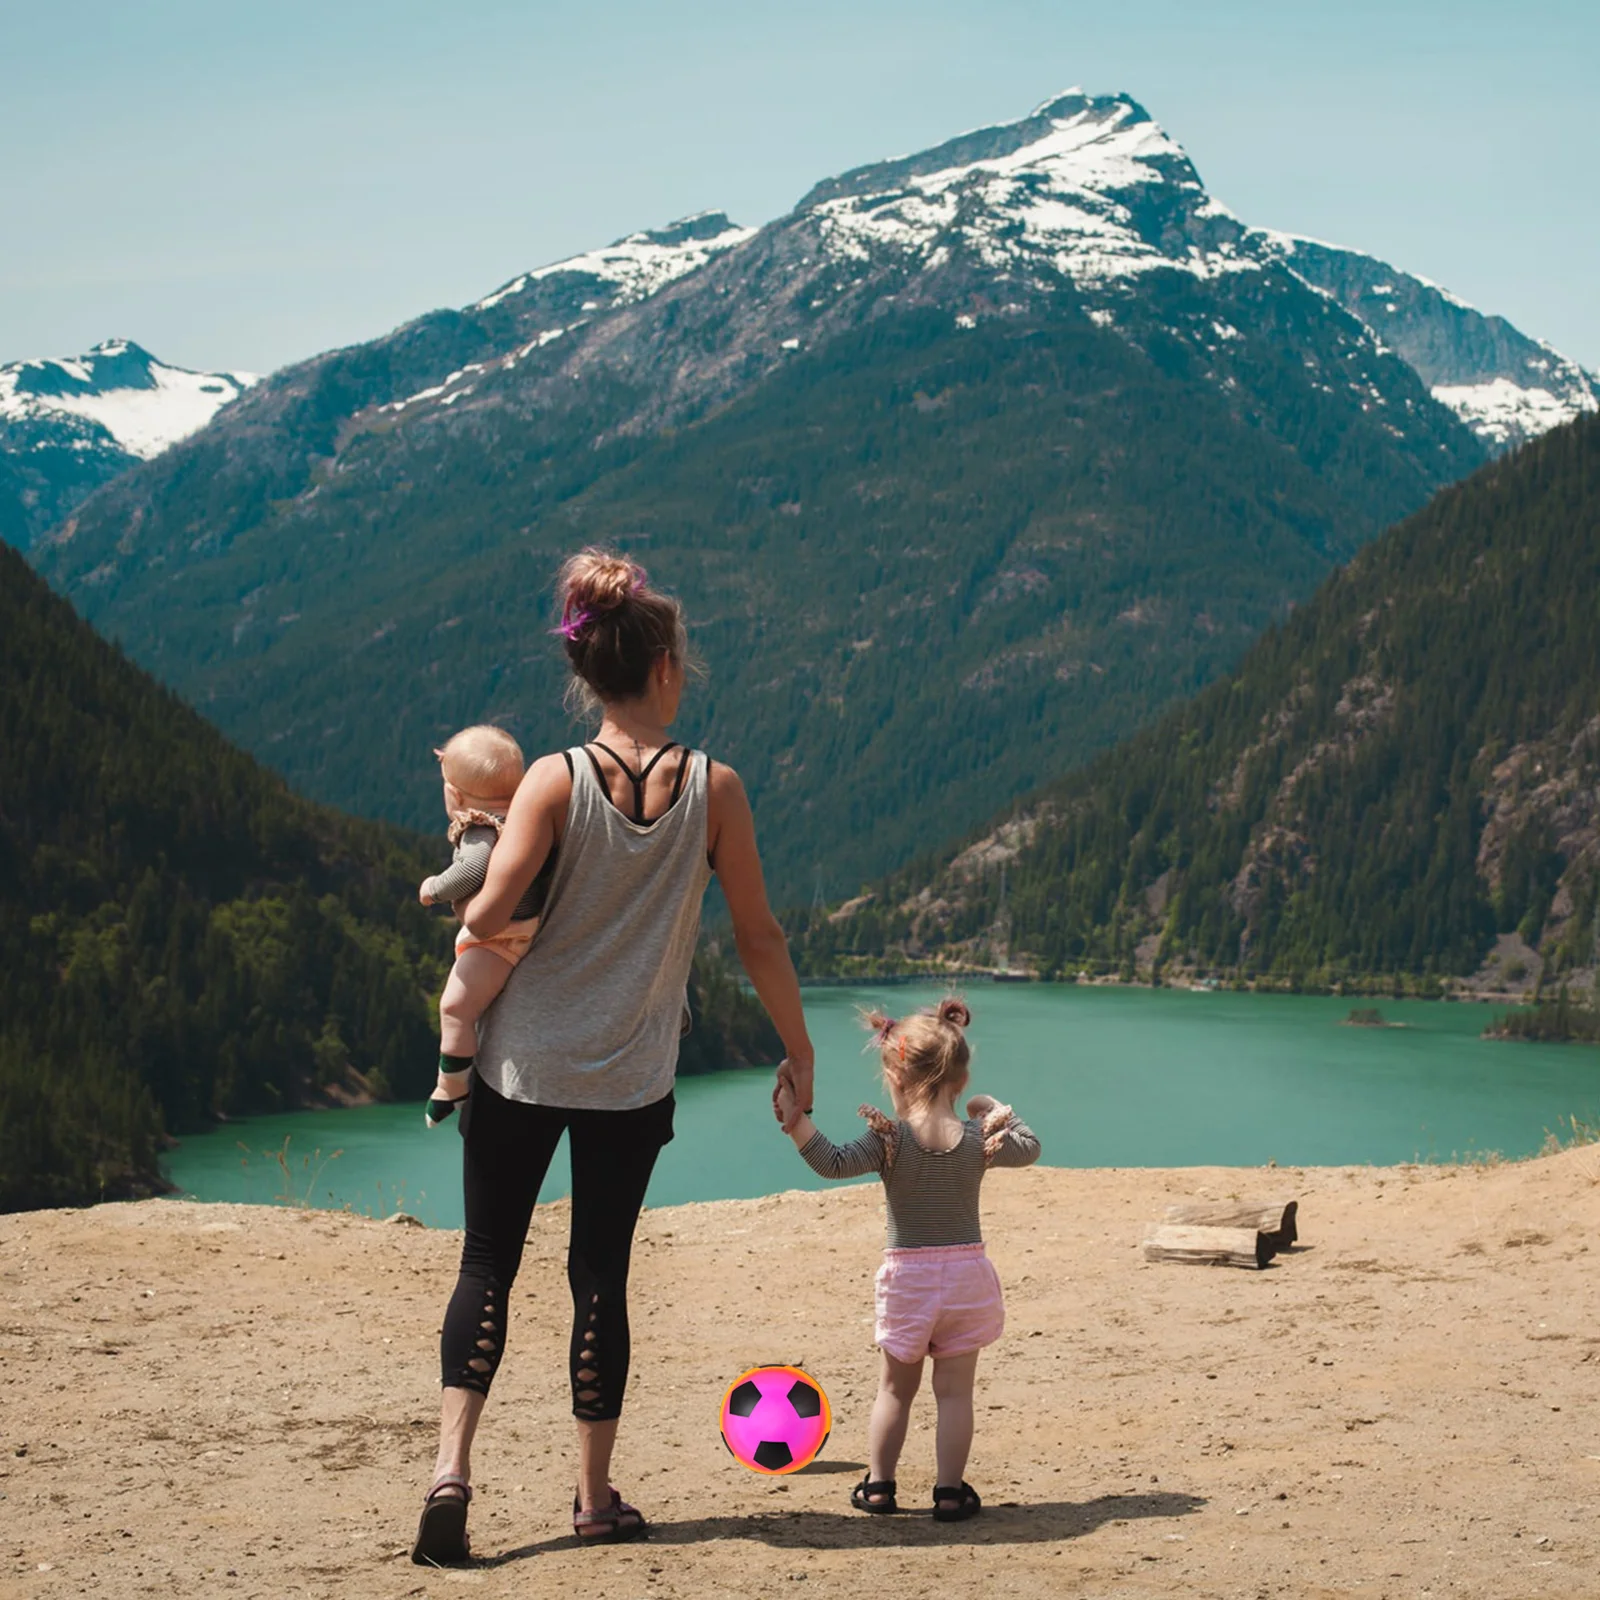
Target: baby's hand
{"x": 423, "y": 897}
{"x": 979, "y": 1105}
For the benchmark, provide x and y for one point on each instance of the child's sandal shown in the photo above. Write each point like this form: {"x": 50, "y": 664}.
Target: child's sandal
{"x": 861, "y": 1497}
{"x": 965, "y": 1502}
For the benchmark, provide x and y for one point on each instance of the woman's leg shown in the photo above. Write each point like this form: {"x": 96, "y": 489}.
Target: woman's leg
{"x": 891, "y": 1416}
{"x": 506, "y": 1151}
{"x": 613, "y": 1155}
{"x": 952, "y": 1388}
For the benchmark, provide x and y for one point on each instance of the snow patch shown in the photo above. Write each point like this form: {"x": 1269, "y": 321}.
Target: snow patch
{"x": 637, "y": 266}
{"x": 1506, "y": 413}
{"x": 145, "y": 411}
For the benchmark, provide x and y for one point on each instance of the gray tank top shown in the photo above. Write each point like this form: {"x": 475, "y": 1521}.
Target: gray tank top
{"x": 589, "y": 1019}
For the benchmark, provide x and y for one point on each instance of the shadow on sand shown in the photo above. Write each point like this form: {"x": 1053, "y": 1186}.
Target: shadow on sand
{"x": 1002, "y": 1522}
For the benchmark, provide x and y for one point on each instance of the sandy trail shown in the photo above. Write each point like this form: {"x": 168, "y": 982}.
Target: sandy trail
{"x": 222, "y": 1400}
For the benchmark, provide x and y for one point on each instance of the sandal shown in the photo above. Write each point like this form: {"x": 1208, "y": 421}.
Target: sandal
{"x": 437, "y": 1110}
{"x": 861, "y": 1497}
{"x": 609, "y": 1520}
{"x": 442, "y": 1533}
{"x": 967, "y": 1504}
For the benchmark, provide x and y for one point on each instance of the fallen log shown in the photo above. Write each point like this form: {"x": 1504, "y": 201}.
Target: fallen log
{"x": 1207, "y": 1247}
{"x": 1275, "y": 1218}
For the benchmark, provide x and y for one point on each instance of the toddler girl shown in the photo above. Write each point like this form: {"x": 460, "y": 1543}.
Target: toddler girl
{"x": 937, "y": 1294}
{"x": 482, "y": 767}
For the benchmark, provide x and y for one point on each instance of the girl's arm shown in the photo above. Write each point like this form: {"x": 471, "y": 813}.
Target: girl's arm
{"x": 820, "y": 1153}
{"x": 763, "y": 950}
{"x": 533, "y": 825}
{"x": 1009, "y": 1141}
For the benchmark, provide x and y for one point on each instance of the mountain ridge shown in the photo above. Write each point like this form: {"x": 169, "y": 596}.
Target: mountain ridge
{"x": 1115, "y": 474}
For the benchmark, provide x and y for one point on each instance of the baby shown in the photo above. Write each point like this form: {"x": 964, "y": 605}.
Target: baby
{"x": 482, "y": 767}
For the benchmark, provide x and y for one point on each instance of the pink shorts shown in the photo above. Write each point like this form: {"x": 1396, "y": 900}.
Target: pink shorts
{"x": 941, "y": 1301}
{"x": 511, "y": 946}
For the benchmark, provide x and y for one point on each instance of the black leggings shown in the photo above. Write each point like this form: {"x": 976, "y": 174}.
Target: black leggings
{"x": 507, "y": 1150}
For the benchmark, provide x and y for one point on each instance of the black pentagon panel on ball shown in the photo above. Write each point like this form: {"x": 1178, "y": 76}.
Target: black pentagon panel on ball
{"x": 773, "y": 1454}
{"x": 805, "y": 1400}
{"x": 744, "y": 1400}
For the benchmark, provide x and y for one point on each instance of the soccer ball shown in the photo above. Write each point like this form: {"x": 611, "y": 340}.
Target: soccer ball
{"x": 775, "y": 1419}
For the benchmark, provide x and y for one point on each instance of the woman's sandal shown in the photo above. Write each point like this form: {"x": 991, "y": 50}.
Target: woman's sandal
{"x": 861, "y": 1497}
{"x": 967, "y": 1504}
{"x": 609, "y": 1521}
{"x": 442, "y": 1533}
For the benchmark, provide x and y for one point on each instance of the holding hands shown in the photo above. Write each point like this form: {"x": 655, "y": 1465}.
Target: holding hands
{"x": 791, "y": 1094}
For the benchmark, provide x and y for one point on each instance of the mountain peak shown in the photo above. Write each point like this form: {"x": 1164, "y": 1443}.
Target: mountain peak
{"x": 116, "y": 394}
{"x": 1086, "y": 140}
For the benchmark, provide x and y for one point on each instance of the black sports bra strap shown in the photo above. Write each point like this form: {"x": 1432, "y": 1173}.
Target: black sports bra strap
{"x": 637, "y": 779}
{"x": 677, "y": 781}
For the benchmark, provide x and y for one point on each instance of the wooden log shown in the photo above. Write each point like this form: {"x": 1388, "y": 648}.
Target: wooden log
{"x": 1275, "y": 1218}
{"x": 1207, "y": 1247}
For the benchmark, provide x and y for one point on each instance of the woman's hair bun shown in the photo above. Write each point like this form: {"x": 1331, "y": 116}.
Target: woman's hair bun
{"x": 597, "y": 581}
{"x": 954, "y": 1010}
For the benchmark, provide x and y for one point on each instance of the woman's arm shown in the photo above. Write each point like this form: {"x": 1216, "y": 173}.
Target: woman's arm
{"x": 763, "y": 950}
{"x": 533, "y": 825}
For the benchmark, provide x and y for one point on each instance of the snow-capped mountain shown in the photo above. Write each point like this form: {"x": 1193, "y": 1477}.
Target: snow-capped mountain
{"x": 1018, "y": 438}
{"x": 1087, "y": 197}
{"x": 69, "y": 424}
{"x": 1091, "y": 189}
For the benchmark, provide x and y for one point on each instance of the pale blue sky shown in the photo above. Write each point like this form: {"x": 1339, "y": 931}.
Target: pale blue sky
{"x": 241, "y": 184}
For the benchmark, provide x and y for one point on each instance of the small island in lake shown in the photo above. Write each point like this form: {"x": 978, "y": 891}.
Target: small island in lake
{"x": 1559, "y": 1021}
{"x": 1369, "y": 1017}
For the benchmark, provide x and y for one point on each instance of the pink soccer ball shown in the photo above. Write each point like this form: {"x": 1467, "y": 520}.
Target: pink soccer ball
{"x": 775, "y": 1419}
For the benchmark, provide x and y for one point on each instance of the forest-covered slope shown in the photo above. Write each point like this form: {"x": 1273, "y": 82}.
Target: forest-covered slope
{"x": 182, "y": 937}
{"x": 1405, "y": 769}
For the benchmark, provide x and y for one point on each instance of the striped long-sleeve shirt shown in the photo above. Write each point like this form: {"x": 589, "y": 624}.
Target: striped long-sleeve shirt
{"x": 931, "y": 1195}
{"x": 468, "y": 868}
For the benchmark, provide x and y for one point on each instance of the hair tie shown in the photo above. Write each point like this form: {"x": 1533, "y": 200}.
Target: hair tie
{"x": 573, "y": 622}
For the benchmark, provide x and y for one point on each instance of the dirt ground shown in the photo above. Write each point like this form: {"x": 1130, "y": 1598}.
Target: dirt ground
{"x": 223, "y": 1400}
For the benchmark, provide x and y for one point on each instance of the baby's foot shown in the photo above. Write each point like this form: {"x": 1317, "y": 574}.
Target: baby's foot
{"x": 450, "y": 1090}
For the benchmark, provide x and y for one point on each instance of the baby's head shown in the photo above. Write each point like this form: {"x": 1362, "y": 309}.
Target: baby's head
{"x": 925, "y": 1056}
{"x": 482, "y": 767}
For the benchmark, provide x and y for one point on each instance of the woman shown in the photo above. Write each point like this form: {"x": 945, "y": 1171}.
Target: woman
{"x": 584, "y": 1038}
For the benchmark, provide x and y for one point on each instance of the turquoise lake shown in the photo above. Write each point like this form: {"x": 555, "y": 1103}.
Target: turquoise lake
{"x": 1108, "y": 1077}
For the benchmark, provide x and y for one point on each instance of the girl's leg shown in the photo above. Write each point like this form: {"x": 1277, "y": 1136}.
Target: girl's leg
{"x": 952, "y": 1388}
{"x": 891, "y": 1416}
{"x": 506, "y": 1150}
{"x": 613, "y": 1155}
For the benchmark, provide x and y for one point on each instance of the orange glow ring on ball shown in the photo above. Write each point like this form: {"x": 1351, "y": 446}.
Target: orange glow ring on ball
{"x": 799, "y": 1461}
